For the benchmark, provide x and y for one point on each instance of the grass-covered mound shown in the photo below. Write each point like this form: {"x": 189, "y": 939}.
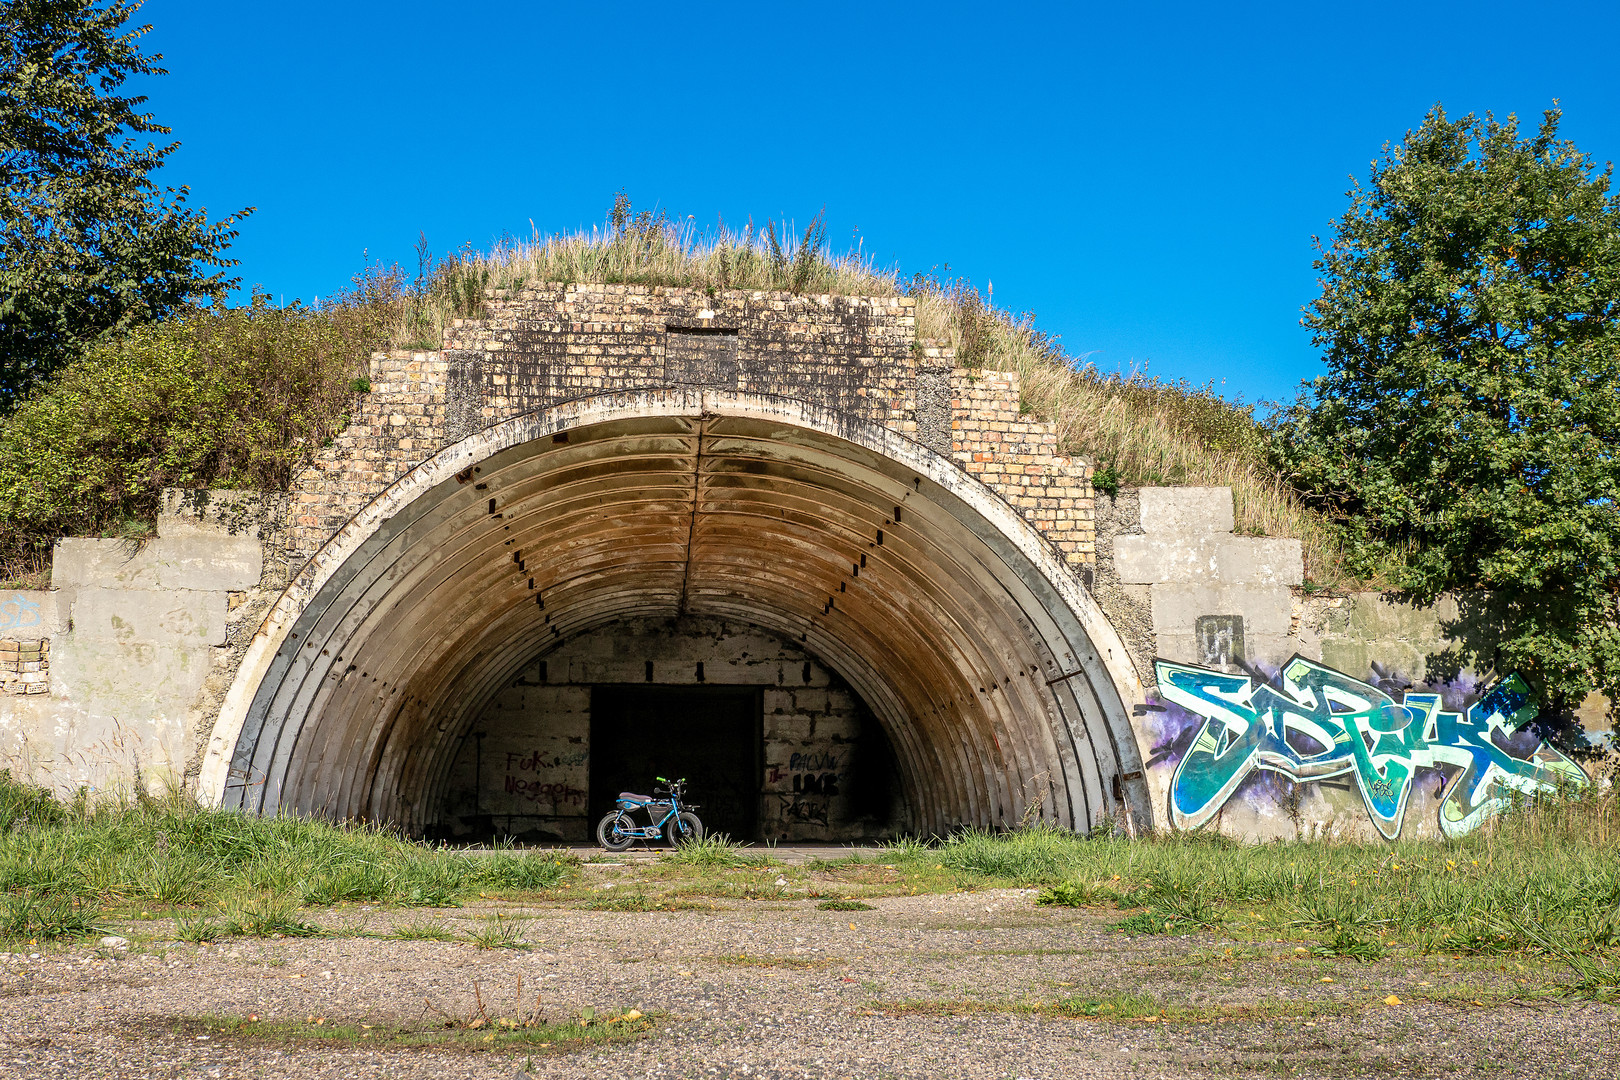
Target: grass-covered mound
{"x": 62, "y": 865}
{"x": 242, "y": 397}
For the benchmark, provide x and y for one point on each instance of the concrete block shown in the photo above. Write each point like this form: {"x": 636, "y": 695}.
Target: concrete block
{"x": 1186, "y": 511}
{"x": 1269, "y": 650}
{"x": 1355, "y": 657}
{"x": 1373, "y": 616}
{"x": 207, "y": 562}
{"x": 154, "y": 617}
{"x": 29, "y": 615}
{"x": 1148, "y": 560}
{"x": 1249, "y": 560}
{"x": 1177, "y": 607}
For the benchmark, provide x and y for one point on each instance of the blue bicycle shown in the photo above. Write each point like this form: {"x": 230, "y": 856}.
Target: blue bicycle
{"x": 617, "y": 831}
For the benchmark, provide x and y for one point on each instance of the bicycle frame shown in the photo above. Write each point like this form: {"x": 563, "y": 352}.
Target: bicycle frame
{"x": 656, "y": 829}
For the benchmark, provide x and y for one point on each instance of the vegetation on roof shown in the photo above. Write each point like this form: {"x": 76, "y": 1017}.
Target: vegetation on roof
{"x": 241, "y": 397}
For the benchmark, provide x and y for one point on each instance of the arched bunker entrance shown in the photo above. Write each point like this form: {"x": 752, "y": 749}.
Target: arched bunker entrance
{"x": 854, "y": 561}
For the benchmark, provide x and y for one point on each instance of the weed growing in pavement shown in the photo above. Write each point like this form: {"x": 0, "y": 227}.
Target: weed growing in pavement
{"x": 715, "y": 849}
{"x": 1118, "y": 1008}
{"x": 34, "y": 916}
{"x": 1112, "y": 1007}
{"x": 478, "y": 1031}
{"x": 267, "y": 915}
{"x": 196, "y": 927}
{"x": 499, "y": 932}
{"x": 755, "y": 960}
{"x": 844, "y": 905}
{"x": 1345, "y": 942}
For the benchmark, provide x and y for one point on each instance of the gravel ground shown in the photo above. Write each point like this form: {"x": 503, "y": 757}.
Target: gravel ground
{"x": 818, "y": 1000}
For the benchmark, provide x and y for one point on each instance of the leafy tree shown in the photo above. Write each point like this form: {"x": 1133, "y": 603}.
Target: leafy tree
{"x": 1465, "y": 436}
{"x": 89, "y": 243}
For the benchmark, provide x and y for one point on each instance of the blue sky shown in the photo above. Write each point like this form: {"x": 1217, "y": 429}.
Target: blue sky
{"x": 1146, "y": 178}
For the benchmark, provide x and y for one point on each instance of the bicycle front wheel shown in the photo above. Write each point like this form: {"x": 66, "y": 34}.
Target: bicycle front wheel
{"x": 684, "y": 826}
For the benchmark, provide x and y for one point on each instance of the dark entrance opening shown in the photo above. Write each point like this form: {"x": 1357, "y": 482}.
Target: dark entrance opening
{"x": 708, "y": 734}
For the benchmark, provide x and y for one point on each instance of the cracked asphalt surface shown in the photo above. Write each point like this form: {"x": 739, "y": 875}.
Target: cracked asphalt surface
{"x": 922, "y": 986}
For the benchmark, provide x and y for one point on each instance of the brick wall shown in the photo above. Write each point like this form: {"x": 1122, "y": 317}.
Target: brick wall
{"x": 25, "y": 666}
{"x": 546, "y": 345}
{"x": 542, "y": 346}
{"x": 395, "y": 426}
{"x": 1016, "y": 455}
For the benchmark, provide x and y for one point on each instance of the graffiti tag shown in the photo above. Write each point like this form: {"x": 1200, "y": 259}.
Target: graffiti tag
{"x": 823, "y": 762}
{"x": 804, "y": 809}
{"x": 1323, "y": 723}
{"x": 17, "y": 612}
{"x": 534, "y": 760}
{"x": 821, "y": 784}
{"x": 536, "y": 791}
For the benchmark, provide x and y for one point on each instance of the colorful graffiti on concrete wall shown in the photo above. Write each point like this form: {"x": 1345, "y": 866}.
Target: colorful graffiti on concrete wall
{"x": 1321, "y": 723}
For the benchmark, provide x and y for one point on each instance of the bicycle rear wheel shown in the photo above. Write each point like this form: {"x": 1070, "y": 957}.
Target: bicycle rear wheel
{"x": 613, "y": 831}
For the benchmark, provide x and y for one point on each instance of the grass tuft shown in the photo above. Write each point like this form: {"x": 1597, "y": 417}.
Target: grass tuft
{"x": 500, "y": 932}
{"x": 715, "y": 849}
{"x": 59, "y": 865}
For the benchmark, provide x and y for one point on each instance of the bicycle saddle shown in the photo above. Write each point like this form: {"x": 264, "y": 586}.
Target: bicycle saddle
{"x": 633, "y": 797}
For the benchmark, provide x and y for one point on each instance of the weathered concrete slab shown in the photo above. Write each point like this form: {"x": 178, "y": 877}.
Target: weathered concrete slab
{"x": 149, "y": 616}
{"x": 1400, "y": 637}
{"x": 1265, "y": 610}
{"x": 29, "y": 615}
{"x": 1186, "y": 511}
{"x": 1253, "y": 560}
{"x": 1148, "y": 560}
{"x": 201, "y": 560}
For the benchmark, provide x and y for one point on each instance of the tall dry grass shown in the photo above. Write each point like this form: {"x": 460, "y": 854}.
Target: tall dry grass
{"x": 632, "y": 248}
{"x": 1138, "y": 430}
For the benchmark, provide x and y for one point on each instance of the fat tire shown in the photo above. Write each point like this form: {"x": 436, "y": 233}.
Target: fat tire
{"x": 606, "y": 836}
{"x": 683, "y": 826}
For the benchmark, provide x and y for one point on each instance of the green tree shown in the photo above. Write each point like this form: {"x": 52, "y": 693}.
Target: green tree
{"x": 89, "y": 244}
{"x": 1465, "y": 434}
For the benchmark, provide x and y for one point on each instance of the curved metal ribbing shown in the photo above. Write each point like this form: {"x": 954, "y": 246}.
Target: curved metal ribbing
{"x": 936, "y": 603}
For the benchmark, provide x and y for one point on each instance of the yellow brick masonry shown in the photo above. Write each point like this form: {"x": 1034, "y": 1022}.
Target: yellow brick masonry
{"x": 396, "y": 426}
{"x": 553, "y": 343}
{"x": 25, "y": 667}
{"x": 1016, "y": 455}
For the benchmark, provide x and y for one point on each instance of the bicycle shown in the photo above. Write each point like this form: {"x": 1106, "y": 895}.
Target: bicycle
{"x": 616, "y": 831}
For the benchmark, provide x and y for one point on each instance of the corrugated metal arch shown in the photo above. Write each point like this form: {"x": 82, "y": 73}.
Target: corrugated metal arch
{"x": 998, "y": 680}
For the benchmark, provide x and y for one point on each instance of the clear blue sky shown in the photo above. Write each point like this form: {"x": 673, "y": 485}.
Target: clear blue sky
{"x": 1146, "y": 178}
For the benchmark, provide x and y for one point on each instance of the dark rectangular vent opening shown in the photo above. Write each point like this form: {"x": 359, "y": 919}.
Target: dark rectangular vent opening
{"x": 701, "y": 356}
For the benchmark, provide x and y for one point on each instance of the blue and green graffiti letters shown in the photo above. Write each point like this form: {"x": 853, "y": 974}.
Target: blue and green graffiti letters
{"x": 1322, "y": 723}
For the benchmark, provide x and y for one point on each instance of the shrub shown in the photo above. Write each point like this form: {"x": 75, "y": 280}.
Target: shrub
{"x": 216, "y": 397}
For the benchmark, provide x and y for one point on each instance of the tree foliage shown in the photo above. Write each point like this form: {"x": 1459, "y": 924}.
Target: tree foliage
{"x": 89, "y": 243}
{"x": 1466, "y": 431}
